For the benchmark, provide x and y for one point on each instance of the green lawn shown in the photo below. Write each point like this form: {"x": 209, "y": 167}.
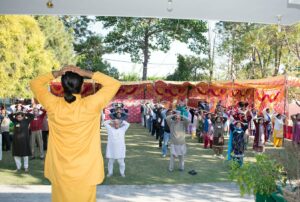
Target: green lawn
{"x": 144, "y": 164}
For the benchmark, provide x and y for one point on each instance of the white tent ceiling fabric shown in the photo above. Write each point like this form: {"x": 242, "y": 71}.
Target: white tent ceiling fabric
{"x": 253, "y": 11}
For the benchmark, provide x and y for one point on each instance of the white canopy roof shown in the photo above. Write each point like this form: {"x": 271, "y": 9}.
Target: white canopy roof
{"x": 255, "y": 11}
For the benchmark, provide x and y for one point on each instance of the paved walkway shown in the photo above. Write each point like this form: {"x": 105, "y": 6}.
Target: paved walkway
{"x": 207, "y": 192}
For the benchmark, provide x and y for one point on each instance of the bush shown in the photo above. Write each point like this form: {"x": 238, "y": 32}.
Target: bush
{"x": 260, "y": 177}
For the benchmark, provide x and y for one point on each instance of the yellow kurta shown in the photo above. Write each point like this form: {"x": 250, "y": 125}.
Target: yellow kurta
{"x": 74, "y": 151}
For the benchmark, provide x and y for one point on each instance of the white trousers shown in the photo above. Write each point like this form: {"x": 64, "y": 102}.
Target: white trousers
{"x": 19, "y": 162}
{"x": 111, "y": 166}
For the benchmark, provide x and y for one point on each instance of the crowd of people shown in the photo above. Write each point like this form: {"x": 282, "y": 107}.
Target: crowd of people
{"x": 170, "y": 125}
{"x": 23, "y": 127}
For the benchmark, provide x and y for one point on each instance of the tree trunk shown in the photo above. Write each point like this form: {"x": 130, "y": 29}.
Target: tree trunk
{"x": 211, "y": 54}
{"x": 277, "y": 60}
{"x": 233, "y": 66}
{"x": 253, "y": 64}
{"x": 145, "y": 68}
{"x": 146, "y": 55}
{"x": 297, "y": 51}
{"x": 260, "y": 63}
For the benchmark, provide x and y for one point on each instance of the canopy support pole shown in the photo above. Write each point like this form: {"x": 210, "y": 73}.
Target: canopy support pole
{"x": 286, "y": 111}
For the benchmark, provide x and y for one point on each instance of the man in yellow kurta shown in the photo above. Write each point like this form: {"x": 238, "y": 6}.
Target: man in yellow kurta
{"x": 74, "y": 162}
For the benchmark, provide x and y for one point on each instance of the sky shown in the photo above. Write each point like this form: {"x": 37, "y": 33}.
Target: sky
{"x": 160, "y": 64}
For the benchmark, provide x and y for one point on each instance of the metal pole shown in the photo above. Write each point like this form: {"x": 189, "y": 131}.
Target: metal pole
{"x": 286, "y": 111}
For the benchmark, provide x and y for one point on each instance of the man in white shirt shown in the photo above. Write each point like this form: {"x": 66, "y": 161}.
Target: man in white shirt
{"x": 116, "y": 148}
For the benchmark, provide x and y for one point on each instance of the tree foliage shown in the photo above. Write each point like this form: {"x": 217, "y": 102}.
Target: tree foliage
{"x": 88, "y": 45}
{"x": 22, "y": 55}
{"x": 258, "y": 51}
{"x": 59, "y": 39}
{"x": 140, "y": 36}
{"x": 79, "y": 25}
{"x": 233, "y": 46}
{"x": 90, "y": 54}
{"x": 190, "y": 68}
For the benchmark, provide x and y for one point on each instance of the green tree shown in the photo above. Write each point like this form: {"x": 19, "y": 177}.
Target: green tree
{"x": 291, "y": 58}
{"x": 22, "y": 55}
{"x": 59, "y": 39}
{"x": 79, "y": 25}
{"x": 258, "y": 51}
{"x": 211, "y": 52}
{"x": 233, "y": 45}
{"x": 190, "y": 68}
{"x": 267, "y": 49}
{"x": 90, "y": 54}
{"x": 140, "y": 36}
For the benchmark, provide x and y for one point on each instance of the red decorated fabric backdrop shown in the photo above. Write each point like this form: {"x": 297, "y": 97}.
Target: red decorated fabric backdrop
{"x": 135, "y": 91}
{"x": 272, "y": 98}
{"x": 259, "y": 93}
{"x": 213, "y": 94}
{"x": 169, "y": 92}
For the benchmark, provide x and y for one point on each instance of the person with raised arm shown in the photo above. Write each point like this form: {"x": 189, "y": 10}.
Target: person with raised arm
{"x": 74, "y": 162}
{"x": 36, "y": 126}
{"x": 21, "y": 141}
{"x": 177, "y": 124}
{"x": 116, "y": 148}
{"x": 278, "y": 129}
{"x": 268, "y": 116}
{"x": 260, "y": 137}
{"x": 238, "y": 141}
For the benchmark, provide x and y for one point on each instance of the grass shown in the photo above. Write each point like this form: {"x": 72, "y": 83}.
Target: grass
{"x": 144, "y": 164}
